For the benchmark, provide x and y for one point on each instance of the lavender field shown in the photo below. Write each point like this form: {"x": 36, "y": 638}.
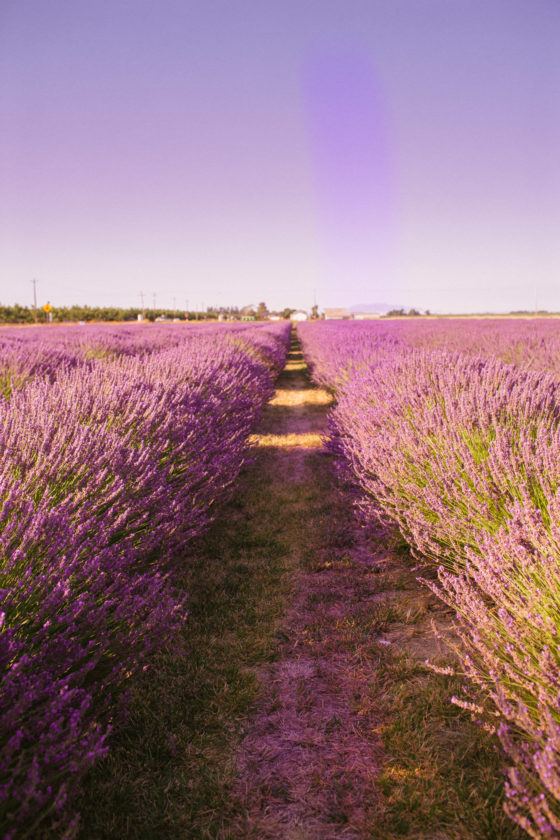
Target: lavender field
{"x": 123, "y": 445}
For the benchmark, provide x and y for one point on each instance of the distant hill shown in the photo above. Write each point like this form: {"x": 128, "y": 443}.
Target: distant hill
{"x": 376, "y": 307}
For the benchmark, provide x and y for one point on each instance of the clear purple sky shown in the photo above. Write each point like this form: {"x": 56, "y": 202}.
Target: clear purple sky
{"x": 230, "y": 151}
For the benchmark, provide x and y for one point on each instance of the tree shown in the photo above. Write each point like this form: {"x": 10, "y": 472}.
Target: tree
{"x": 262, "y": 312}
{"x": 314, "y": 312}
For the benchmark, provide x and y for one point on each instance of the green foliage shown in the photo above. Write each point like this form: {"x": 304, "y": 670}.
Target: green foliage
{"x": 16, "y": 314}
{"x": 26, "y": 315}
{"x": 287, "y": 313}
{"x": 403, "y": 313}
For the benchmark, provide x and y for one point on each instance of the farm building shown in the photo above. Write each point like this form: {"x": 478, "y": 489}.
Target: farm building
{"x": 339, "y": 314}
{"x": 298, "y": 315}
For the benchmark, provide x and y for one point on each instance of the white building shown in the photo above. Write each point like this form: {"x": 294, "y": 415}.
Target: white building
{"x": 298, "y": 315}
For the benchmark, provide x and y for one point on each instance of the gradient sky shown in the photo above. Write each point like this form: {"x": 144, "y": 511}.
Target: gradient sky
{"x": 227, "y": 151}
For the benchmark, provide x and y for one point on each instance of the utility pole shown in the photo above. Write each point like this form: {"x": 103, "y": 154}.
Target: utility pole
{"x": 154, "y": 301}
{"x": 315, "y": 308}
{"x": 174, "y": 304}
{"x": 142, "y": 305}
{"x": 34, "y": 281}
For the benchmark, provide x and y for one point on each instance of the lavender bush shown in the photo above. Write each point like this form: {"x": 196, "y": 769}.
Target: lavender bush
{"x": 462, "y": 454}
{"x": 110, "y": 464}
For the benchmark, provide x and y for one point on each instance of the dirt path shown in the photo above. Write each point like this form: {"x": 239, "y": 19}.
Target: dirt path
{"x": 309, "y": 756}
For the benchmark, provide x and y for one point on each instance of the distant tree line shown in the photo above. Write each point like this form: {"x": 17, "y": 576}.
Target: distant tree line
{"x": 415, "y": 313}
{"x": 405, "y": 313}
{"x": 17, "y": 314}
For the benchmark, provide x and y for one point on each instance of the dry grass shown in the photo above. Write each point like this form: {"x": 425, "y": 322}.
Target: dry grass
{"x": 295, "y": 365}
{"x": 295, "y": 398}
{"x": 443, "y": 774}
{"x": 304, "y": 440}
{"x": 442, "y": 778}
{"x": 310, "y": 756}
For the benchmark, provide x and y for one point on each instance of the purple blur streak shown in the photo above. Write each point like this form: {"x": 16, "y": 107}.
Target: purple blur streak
{"x": 350, "y": 151}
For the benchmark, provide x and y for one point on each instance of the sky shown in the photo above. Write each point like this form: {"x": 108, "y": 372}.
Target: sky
{"x": 232, "y": 151}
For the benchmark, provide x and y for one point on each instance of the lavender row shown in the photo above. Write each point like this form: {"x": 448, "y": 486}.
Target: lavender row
{"x": 462, "y": 454}
{"x": 106, "y": 474}
{"x": 530, "y": 343}
{"x": 48, "y": 351}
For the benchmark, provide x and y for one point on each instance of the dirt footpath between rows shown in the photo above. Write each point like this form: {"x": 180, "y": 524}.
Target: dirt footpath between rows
{"x": 309, "y": 757}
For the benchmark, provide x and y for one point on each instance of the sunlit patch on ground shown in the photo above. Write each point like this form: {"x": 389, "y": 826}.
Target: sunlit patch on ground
{"x": 401, "y": 773}
{"x": 306, "y": 440}
{"x": 295, "y": 366}
{"x": 308, "y": 396}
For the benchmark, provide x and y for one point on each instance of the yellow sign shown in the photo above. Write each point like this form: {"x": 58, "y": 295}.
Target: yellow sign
{"x": 47, "y": 307}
